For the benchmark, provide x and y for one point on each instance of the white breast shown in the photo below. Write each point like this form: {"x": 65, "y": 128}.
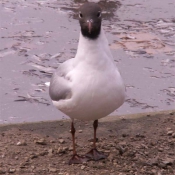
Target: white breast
{"x": 97, "y": 87}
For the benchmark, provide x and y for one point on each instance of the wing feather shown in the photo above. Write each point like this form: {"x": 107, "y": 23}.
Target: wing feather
{"x": 59, "y": 85}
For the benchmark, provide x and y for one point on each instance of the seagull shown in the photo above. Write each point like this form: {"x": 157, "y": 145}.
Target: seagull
{"x": 89, "y": 86}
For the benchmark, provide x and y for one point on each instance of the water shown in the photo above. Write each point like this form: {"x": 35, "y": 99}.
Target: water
{"x": 37, "y": 36}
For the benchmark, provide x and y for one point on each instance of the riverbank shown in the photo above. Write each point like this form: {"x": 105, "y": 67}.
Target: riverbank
{"x": 142, "y": 145}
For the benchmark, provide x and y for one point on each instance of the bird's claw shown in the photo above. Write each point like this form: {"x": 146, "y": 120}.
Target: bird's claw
{"x": 94, "y": 154}
{"x": 76, "y": 159}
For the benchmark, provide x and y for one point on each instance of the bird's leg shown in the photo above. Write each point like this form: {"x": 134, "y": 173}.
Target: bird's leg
{"x": 95, "y": 125}
{"x": 94, "y": 154}
{"x": 76, "y": 159}
{"x": 73, "y": 137}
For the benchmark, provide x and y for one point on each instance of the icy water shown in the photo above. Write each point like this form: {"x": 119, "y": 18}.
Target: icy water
{"x": 37, "y": 36}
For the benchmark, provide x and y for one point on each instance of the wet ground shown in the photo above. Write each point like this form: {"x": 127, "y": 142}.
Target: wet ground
{"x": 36, "y": 36}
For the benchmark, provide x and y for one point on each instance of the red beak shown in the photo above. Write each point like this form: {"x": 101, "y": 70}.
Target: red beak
{"x": 89, "y": 26}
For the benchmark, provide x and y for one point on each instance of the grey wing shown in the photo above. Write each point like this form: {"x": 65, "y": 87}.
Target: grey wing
{"x": 60, "y": 86}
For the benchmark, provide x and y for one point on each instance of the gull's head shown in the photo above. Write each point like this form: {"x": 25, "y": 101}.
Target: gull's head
{"x": 90, "y": 20}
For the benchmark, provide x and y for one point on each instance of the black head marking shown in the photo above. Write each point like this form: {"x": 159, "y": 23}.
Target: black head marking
{"x": 90, "y": 20}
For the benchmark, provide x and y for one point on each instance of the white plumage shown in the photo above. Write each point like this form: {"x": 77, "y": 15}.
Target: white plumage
{"x": 96, "y": 85}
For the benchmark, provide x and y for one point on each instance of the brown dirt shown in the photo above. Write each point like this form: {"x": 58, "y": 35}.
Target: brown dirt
{"x": 140, "y": 146}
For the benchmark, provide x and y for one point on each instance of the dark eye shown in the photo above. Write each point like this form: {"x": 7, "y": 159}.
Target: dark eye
{"x": 99, "y": 14}
{"x": 80, "y": 15}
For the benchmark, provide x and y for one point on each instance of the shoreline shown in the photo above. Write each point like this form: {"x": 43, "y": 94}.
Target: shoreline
{"x": 105, "y": 119}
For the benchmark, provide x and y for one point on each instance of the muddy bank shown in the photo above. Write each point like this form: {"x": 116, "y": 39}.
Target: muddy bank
{"x": 143, "y": 145}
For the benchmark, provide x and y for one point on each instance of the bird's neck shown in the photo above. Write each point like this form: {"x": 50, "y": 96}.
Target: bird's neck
{"x": 87, "y": 48}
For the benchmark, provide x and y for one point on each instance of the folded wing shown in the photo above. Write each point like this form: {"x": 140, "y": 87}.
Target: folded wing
{"x": 60, "y": 85}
